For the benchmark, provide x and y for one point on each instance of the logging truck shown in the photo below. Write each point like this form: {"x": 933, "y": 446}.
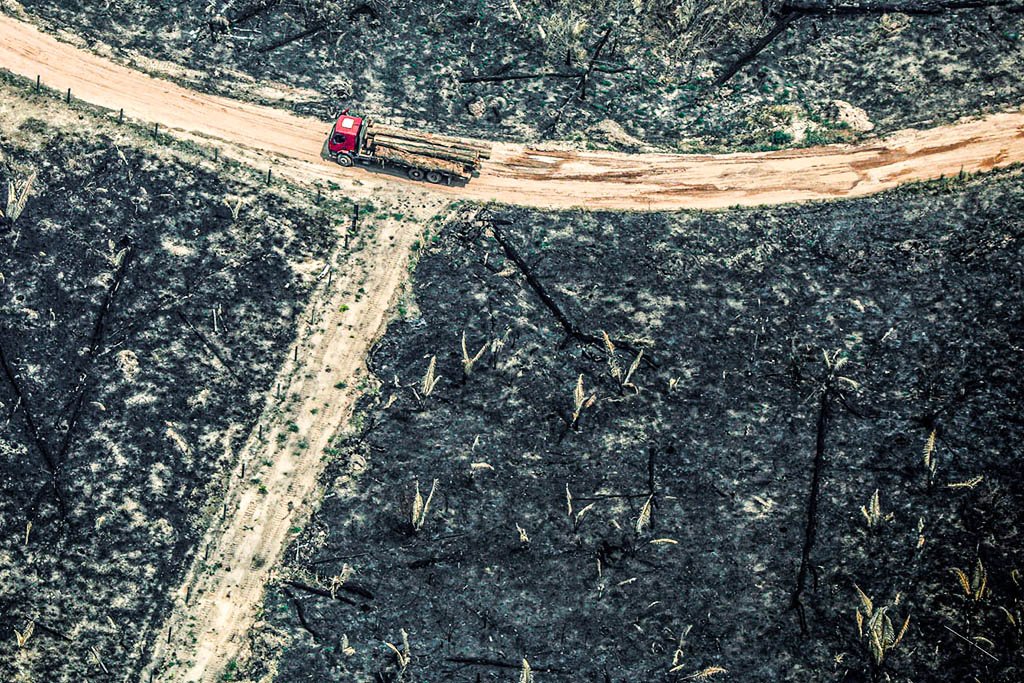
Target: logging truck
{"x": 423, "y": 156}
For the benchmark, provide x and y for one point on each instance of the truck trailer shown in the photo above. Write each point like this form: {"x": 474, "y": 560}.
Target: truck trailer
{"x": 423, "y": 156}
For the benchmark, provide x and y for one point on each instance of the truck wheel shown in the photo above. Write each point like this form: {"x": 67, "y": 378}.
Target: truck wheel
{"x": 433, "y": 177}
{"x": 344, "y": 160}
{"x": 416, "y": 173}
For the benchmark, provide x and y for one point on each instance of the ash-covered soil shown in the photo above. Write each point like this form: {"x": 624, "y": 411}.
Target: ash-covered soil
{"x": 795, "y": 361}
{"x": 141, "y": 324}
{"x": 625, "y": 75}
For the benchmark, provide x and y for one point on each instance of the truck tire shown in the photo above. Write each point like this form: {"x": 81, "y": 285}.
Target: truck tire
{"x": 344, "y": 160}
{"x": 433, "y": 177}
{"x": 415, "y": 173}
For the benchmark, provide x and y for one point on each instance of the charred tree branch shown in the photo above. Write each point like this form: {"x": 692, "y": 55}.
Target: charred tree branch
{"x": 206, "y": 342}
{"x": 253, "y": 10}
{"x": 322, "y": 592}
{"x": 918, "y": 8}
{"x": 811, "y": 528}
{"x": 571, "y": 329}
{"x": 501, "y": 77}
{"x": 287, "y": 40}
{"x": 301, "y": 613}
{"x": 781, "y": 24}
{"x": 52, "y": 466}
{"x": 585, "y": 78}
{"x": 788, "y": 12}
{"x": 95, "y": 344}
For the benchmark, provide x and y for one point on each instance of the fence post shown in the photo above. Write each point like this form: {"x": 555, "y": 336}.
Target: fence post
{"x": 120, "y": 116}
{"x": 39, "y": 83}
{"x": 268, "y": 176}
{"x": 69, "y": 96}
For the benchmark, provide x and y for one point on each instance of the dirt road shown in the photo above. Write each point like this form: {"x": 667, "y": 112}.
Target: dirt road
{"x": 220, "y": 597}
{"x": 519, "y": 175}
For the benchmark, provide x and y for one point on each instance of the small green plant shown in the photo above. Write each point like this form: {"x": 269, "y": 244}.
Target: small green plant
{"x": 230, "y": 671}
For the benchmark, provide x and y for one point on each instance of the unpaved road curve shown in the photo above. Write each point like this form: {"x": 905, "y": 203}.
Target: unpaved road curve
{"x": 516, "y": 174}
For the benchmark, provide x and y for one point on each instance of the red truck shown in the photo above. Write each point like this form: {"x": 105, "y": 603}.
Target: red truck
{"x": 423, "y": 156}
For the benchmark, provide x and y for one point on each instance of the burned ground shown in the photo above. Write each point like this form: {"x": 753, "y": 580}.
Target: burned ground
{"x": 832, "y": 343}
{"x": 602, "y": 73}
{"x": 121, "y": 399}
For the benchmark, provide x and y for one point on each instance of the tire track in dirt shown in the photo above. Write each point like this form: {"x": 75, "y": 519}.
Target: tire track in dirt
{"x": 553, "y": 179}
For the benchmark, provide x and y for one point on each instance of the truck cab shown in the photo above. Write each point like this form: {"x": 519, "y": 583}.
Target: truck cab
{"x": 346, "y": 139}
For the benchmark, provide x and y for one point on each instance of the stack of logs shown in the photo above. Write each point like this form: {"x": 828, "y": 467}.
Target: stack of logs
{"x": 426, "y": 150}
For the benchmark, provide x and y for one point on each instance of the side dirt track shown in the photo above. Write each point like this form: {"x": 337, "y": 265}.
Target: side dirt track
{"x": 278, "y": 470}
{"x": 520, "y": 175}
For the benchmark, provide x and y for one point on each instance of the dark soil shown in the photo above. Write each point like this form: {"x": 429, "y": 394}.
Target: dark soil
{"x": 515, "y": 70}
{"x": 120, "y": 402}
{"x": 781, "y": 346}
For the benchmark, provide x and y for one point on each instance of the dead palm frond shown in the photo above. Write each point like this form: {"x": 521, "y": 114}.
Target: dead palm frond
{"x": 421, "y": 507}
{"x": 580, "y": 402}
{"x": 526, "y": 674}
{"x": 22, "y": 636}
{"x": 705, "y": 673}
{"x": 430, "y": 379}
{"x": 875, "y": 626}
{"x": 402, "y": 655}
{"x": 873, "y": 512}
{"x": 644, "y": 520}
{"x": 17, "y": 197}
{"x": 469, "y": 361}
{"x": 975, "y": 586}
{"x": 928, "y": 455}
